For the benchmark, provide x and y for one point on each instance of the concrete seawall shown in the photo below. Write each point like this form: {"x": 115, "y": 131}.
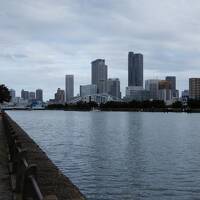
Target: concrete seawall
{"x": 51, "y": 181}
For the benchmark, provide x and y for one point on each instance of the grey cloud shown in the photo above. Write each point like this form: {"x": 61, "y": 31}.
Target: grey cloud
{"x": 44, "y": 40}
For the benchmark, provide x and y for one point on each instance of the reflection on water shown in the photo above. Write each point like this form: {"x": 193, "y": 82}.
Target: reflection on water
{"x": 121, "y": 155}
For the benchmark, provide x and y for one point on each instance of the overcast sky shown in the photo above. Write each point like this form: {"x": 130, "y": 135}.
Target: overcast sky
{"x": 42, "y": 40}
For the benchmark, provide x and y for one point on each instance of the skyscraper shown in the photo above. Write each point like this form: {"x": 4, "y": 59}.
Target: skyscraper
{"x": 113, "y": 87}
{"x": 86, "y": 90}
{"x": 69, "y": 87}
{"x": 172, "y": 80}
{"x": 60, "y": 96}
{"x": 12, "y": 94}
{"x": 39, "y": 95}
{"x": 100, "y": 75}
{"x": 194, "y": 88}
{"x": 24, "y": 94}
{"x": 135, "y": 69}
{"x": 31, "y": 96}
{"x": 151, "y": 85}
{"x": 165, "y": 90}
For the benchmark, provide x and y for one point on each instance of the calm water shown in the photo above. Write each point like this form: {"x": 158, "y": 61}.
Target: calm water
{"x": 121, "y": 155}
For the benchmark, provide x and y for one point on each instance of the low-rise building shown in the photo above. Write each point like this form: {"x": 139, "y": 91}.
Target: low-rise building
{"x": 98, "y": 98}
{"x": 137, "y": 93}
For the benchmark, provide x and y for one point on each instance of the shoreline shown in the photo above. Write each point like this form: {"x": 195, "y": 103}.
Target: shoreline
{"x": 50, "y": 180}
{"x": 164, "y": 110}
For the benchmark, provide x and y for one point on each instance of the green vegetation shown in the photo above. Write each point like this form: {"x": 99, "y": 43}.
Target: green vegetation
{"x": 177, "y": 104}
{"x": 79, "y": 106}
{"x": 134, "y": 104}
{"x": 4, "y": 94}
{"x": 155, "y": 105}
{"x": 194, "y": 104}
{"x": 55, "y": 107}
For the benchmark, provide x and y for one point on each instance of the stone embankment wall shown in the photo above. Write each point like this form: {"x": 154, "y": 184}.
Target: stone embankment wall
{"x": 51, "y": 181}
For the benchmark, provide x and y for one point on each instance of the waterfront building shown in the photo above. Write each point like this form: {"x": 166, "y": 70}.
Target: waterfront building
{"x": 24, "y": 94}
{"x": 20, "y": 102}
{"x": 60, "y": 96}
{"x": 99, "y": 75}
{"x": 137, "y": 93}
{"x": 165, "y": 91}
{"x": 39, "y": 95}
{"x": 12, "y": 94}
{"x": 31, "y": 96}
{"x": 98, "y": 98}
{"x": 69, "y": 87}
{"x": 194, "y": 88}
{"x": 135, "y": 69}
{"x": 86, "y": 90}
{"x": 151, "y": 85}
{"x": 172, "y": 80}
{"x": 113, "y": 87}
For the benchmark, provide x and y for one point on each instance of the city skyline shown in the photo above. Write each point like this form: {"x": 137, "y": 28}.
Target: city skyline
{"x": 69, "y": 78}
{"x": 61, "y": 41}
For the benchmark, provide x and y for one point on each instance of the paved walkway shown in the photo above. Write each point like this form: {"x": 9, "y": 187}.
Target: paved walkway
{"x": 5, "y": 188}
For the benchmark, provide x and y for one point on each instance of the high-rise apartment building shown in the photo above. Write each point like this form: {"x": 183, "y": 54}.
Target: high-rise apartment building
{"x": 24, "y": 94}
{"x": 31, "y": 96}
{"x": 172, "y": 80}
{"x": 151, "y": 85}
{"x": 165, "y": 91}
{"x": 12, "y": 94}
{"x": 113, "y": 87}
{"x": 69, "y": 87}
{"x": 39, "y": 95}
{"x": 135, "y": 69}
{"x": 100, "y": 75}
{"x": 60, "y": 96}
{"x": 194, "y": 88}
{"x": 86, "y": 90}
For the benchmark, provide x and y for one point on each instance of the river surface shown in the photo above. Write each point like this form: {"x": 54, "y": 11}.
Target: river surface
{"x": 121, "y": 155}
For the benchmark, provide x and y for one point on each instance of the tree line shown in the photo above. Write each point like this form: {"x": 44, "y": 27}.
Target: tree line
{"x": 155, "y": 104}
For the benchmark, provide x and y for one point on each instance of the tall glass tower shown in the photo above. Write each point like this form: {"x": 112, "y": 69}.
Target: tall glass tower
{"x": 135, "y": 69}
{"x": 100, "y": 75}
{"x": 69, "y": 87}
